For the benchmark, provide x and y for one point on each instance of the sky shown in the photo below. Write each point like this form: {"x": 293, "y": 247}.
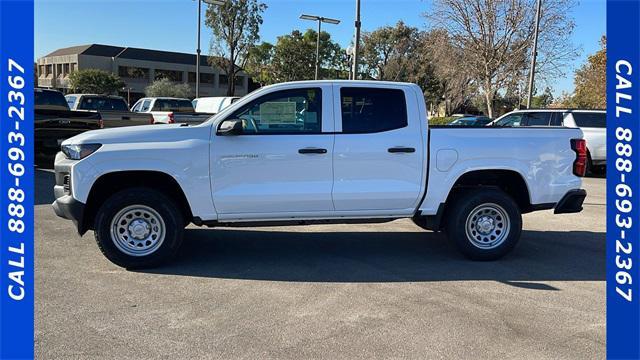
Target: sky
{"x": 171, "y": 24}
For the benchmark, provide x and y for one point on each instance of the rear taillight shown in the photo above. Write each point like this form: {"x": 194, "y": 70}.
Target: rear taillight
{"x": 170, "y": 116}
{"x": 101, "y": 124}
{"x": 580, "y": 164}
{"x": 151, "y": 120}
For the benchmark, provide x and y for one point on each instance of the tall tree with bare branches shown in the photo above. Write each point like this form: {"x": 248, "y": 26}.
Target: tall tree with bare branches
{"x": 235, "y": 28}
{"x": 495, "y": 39}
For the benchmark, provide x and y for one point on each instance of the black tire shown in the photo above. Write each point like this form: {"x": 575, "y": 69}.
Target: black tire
{"x": 168, "y": 212}
{"x": 485, "y": 199}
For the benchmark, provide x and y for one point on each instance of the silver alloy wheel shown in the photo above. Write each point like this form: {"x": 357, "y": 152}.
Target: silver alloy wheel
{"x": 137, "y": 230}
{"x": 487, "y": 226}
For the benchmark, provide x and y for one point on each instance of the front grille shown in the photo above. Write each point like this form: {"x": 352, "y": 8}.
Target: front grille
{"x": 66, "y": 182}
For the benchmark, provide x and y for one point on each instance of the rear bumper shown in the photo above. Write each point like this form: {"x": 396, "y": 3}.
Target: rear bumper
{"x": 571, "y": 202}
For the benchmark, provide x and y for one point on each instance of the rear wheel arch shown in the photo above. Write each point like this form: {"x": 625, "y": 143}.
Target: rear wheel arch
{"x": 110, "y": 183}
{"x": 510, "y": 182}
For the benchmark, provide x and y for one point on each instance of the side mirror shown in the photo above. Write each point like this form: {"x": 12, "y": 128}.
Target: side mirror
{"x": 230, "y": 127}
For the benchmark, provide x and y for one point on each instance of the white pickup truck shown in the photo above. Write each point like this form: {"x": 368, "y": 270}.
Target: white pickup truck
{"x": 315, "y": 152}
{"x": 167, "y": 110}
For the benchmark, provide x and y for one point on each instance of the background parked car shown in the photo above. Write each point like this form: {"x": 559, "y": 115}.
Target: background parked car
{"x": 168, "y": 110}
{"x": 113, "y": 109}
{"x": 213, "y": 105}
{"x": 472, "y": 121}
{"x": 593, "y": 124}
{"x": 55, "y": 122}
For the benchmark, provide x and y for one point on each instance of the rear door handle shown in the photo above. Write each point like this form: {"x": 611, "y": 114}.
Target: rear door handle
{"x": 312, "y": 151}
{"x": 400, "y": 149}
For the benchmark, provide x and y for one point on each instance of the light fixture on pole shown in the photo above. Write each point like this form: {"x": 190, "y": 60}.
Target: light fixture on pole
{"x": 320, "y": 20}
{"x": 210, "y": 2}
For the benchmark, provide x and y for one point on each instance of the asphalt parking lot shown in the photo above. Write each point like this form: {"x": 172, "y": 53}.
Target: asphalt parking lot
{"x": 327, "y": 291}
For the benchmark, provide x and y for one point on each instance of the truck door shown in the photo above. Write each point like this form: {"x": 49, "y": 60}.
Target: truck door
{"x": 379, "y": 153}
{"x": 281, "y": 163}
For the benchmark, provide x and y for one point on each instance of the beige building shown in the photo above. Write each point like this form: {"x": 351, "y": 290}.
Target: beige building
{"x": 136, "y": 67}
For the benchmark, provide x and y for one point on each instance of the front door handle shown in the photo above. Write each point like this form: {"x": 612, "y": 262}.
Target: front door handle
{"x": 312, "y": 151}
{"x": 400, "y": 149}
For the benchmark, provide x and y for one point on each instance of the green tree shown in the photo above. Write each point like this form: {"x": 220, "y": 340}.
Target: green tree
{"x": 95, "y": 81}
{"x": 258, "y": 65}
{"x": 591, "y": 79}
{"x": 235, "y": 28}
{"x": 294, "y": 56}
{"x": 543, "y": 100}
{"x": 168, "y": 88}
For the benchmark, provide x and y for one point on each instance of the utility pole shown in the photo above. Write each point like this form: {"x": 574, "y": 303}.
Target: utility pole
{"x": 534, "y": 54}
{"x": 356, "y": 48}
{"x": 320, "y": 20}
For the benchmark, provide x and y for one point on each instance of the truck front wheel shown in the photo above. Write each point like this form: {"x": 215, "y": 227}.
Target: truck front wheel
{"x": 484, "y": 224}
{"x": 139, "y": 228}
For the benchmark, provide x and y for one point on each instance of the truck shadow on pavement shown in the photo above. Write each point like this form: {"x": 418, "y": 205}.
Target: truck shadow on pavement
{"x": 355, "y": 257}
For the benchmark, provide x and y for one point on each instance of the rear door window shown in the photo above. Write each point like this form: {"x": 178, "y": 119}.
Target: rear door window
{"x": 371, "y": 110}
{"x": 590, "y": 120}
{"x": 538, "y": 119}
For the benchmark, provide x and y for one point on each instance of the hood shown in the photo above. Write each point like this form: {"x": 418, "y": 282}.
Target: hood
{"x": 140, "y": 134}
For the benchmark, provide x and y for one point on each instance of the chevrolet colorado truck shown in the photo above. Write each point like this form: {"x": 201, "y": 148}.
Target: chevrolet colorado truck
{"x": 315, "y": 152}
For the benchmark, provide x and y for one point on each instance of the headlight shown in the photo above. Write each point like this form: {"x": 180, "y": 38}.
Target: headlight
{"x": 77, "y": 152}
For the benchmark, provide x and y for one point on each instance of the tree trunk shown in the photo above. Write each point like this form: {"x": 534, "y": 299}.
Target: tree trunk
{"x": 488, "y": 96}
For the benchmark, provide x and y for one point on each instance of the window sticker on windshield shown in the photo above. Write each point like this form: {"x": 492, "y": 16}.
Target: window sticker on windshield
{"x": 278, "y": 113}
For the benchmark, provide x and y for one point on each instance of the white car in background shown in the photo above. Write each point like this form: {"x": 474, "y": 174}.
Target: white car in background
{"x": 593, "y": 124}
{"x": 213, "y": 105}
{"x": 168, "y": 110}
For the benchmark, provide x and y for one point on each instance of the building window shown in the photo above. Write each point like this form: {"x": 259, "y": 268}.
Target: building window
{"x": 48, "y": 70}
{"x": 65, "y": 69}
{"x": 205, "y": 78}
{"x": 224, "y": 80}
{"x": 172, "y": 75}
{"x": 239, "y": 81}
{"x": 59, "y": 70}
{"x": 132, "y": 72}
{"x": 73, "y": 67}
{"x": 41, "y": 71}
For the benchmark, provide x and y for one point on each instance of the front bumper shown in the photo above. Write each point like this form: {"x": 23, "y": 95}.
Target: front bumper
{"x": 571, "y": 202}
{"x": 69, "y": 208}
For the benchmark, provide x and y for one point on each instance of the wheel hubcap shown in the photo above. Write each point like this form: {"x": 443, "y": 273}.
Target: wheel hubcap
{"x": 137, "y": 230}
{"x": 487, "y": 226}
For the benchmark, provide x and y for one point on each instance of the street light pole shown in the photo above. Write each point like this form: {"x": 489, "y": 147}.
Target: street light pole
{"x": 356, "y": 48}
{"x": 320, "y": 20}
{"x": 534, "y": 55}
{"x": 198, "y": 51}
{"x": 210, "y": 2}
{"x": 318, "y": 49}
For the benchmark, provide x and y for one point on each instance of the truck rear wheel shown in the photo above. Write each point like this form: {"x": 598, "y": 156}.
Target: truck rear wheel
{"x": 139, "y": 228}
{"x": 484, "y": 224}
